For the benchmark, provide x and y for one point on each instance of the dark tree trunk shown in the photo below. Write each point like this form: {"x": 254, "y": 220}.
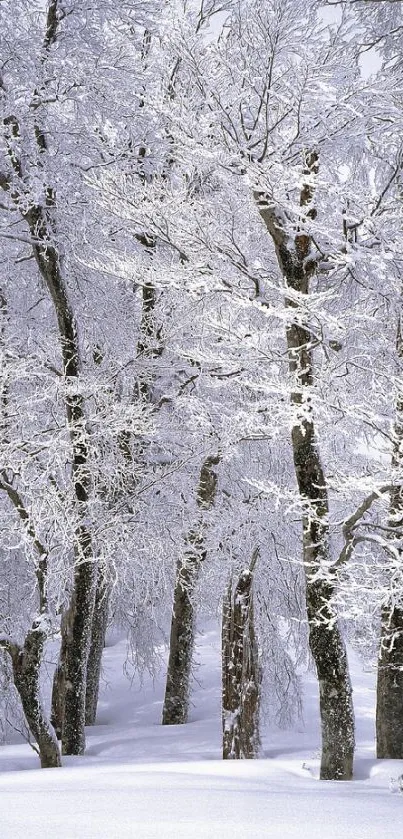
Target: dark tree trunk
{"x": 26, "y": 660}
{"x": 99, "y": 627}
{"x": 26, "y": 671}
{"x": 298, "y": 263}
{"x": 59, "y": 678}
{"x": 389, "y": 704}
{"x": 77, "y": 652}
{"x": 77, "y": 642}
{"x": 240, "y": 672}
{"x": 58, "y": 691}
{"x": 40, "y": 217}
{"x": 181, "y": 644}
{"x": 176, "y": 702}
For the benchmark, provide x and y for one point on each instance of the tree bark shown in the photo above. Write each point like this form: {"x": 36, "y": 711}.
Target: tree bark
{"x": 389, "y": 699}
{"x": 240, "y": 672}
{"x": 298, "y": 263}
{"x": 26, "y": 660}
{"x": 99, "y": 627}
{"x": 389, "y": 702}
{"x": 26, "y": 663}
{"x": 176, "y": 702}
{"x": 77, "y": 642}
{"x": 41, "y": 221}
{"x": 59, "y": 677}
{"x": 77, "y": 652}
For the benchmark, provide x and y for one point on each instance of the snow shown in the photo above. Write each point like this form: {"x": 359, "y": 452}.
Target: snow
{"x": 140, "y": 779}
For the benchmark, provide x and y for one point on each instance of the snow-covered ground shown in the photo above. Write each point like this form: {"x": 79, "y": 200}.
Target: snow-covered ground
{"x": 141, "y": 780}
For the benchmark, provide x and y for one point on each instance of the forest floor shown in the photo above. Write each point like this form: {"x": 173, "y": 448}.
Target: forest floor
{"x": 141, "y": 780}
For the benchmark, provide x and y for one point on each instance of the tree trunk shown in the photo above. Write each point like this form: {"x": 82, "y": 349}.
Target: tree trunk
{"x": 77, "y": 652}
{"x": 389, "y": 700}
{"x": 389, "y": 704}
{"x": 298, "y": 263}
{"x": 59, "y": 678}
{"x": 240, "y": 673}
{"x": 77, "y": 643}
{"x": 176, "y": 702}
{"x": 26, "y": 660}
{"x": 99, "y": 627}
{"x": 57, "y": 702}
{"x": 40, "y": 217}
{"x": 98, "y": 631}
{"x": 26, "y": 670}
{"x": 181, "y": 644}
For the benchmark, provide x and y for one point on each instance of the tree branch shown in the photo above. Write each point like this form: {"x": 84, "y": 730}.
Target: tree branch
{"x": 350, "y": 540}
{"x": 41, "y": 570}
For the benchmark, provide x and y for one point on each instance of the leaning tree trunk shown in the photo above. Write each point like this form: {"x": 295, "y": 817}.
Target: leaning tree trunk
{"x": 26, "y": 671}
{"x": 298, "y": 263}
{"x": 389, "y": 705}
{"x": 176, "y": 702}
{"x": 240, "y": 672}
{"x": 26, "y": 660}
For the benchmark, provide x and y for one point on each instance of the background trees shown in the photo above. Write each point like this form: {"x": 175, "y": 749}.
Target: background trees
{"x": 200, "y": 294}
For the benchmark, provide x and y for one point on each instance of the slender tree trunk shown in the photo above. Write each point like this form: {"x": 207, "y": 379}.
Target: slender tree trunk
{"x": 176, "y": 702}
{"x": 59, "y": 679}
{"x": 26, "y": 662}
{"x": 389, "y": 700}
{"x": 57, "y": 702}
{"x": 298, "y": 264}
{"x": 98, "y": 631}
{"x": 40, "y": 218}
{"x": 240, "y": 672}
{"x": 77, "y": 652}
{"x": 78, "y": 639}
{"x": 389, "y": 705}
{"x": 99, "y": 627}
{"x": 77, "y": 642}
{"x": 181, "y": 644}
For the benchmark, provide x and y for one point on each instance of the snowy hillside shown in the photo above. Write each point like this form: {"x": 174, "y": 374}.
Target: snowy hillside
{"x": 139, "y": 779}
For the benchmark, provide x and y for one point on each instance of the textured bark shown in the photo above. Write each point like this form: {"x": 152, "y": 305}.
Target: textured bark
{"x": 297, "y": 263}
{"x": 26, "y": 663}
{"x": 26, "y": 660}
{"x": 389, "y": 705}
{"x": 181, "y": 644}
{"x": 58, "y": 693}
{"x": 77, "y": 652}
{"x": 98, "y": 632}
{"x": 176, "y": 702}
{"x": 40, "y": 218}
{"x": 59, "y": 678}
{"x": 77, "y": 643}
{"x": 240, "y": 673}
